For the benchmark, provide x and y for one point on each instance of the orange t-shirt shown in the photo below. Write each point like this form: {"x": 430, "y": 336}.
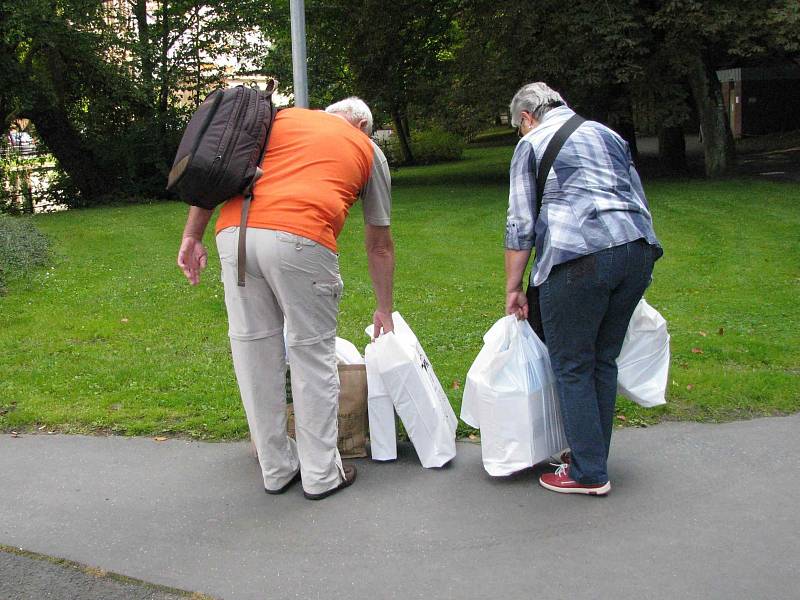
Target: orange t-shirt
{"x": 314, "y": 168}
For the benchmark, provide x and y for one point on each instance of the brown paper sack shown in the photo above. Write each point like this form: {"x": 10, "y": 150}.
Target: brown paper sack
{"x": 353, "y": 421}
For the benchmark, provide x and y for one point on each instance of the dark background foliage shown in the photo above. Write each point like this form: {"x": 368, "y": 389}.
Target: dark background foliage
{"x": 108, "y": 86}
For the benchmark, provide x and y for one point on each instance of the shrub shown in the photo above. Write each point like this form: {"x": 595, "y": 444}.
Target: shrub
{"x": 435, "y": 146}
{"x": 429, "y": 147}
{"x": 22, "y": 247}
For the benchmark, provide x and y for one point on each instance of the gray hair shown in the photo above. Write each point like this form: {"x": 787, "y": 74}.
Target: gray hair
{"x": 536, "y": 98}
{"x": 354, "y": 110}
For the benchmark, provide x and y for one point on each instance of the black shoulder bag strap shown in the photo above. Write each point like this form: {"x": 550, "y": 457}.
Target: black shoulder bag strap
{"x": 550, "y": 153}
{"x": 549, "y": 156}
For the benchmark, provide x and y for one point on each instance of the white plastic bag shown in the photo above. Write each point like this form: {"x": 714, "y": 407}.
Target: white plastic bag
{"x": 347, "y": 353}
{"x": 643, "y": 363}
{"x": 510, "y": 395}
{"x": 382, "y": 432}
{"x": 416, "y": 393}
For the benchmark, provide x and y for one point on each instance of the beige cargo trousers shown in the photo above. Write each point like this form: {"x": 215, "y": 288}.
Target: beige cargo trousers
{"x": 294, "y": 280}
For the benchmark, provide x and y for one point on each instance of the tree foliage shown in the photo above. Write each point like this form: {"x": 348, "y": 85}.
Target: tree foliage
{"x": 392, "y": 54}
{"x": 604, "y": 55}
{"x": 109, "y": 85}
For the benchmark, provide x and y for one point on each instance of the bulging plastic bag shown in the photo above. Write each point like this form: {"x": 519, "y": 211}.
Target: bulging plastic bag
{"x": 347, "y": 353}
{"x": 510, "y": 395}
{"x": 417, "y": 395}
{"x": 643, "y": 363}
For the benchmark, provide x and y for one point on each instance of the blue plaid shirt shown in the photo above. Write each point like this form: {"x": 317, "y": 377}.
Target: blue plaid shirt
{"x": 593, "y": 198}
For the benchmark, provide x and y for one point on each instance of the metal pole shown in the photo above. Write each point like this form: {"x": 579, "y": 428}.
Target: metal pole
{"x": 299, "y": 67}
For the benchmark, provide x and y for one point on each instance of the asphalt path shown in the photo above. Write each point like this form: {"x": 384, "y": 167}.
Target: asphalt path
{"x": 696, "y": 511}
{"x": 29, "y": 577}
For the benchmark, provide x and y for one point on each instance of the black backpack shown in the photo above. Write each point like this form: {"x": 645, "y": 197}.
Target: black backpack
{"x": 221, "y": 150}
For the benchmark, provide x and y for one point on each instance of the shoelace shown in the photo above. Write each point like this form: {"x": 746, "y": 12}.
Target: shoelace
{"x": 562, "y": 469}
{"x": 564, "y": 458}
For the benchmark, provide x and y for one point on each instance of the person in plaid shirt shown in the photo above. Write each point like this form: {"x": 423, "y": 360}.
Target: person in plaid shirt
{"x": 595, "y": 251}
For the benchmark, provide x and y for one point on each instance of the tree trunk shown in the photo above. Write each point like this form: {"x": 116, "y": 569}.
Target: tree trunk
{"x": 143, "y": 44}
{"x": 672, "y": 148}
{"x": 620, "y": 117}
{"x": 717, "y": 138}
{"x": 74, "y": 156}
{"x": 163, "y": 96}
{"x": 401, "y": 130}
{"x": 627, "y": 131}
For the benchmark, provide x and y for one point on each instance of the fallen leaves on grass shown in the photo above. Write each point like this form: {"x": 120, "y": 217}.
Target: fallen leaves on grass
{"x": 690, "y": 387}
{"x": 696, "y": 351}
{"x": 702, "y": 333}
{"x": 160, "y": 439}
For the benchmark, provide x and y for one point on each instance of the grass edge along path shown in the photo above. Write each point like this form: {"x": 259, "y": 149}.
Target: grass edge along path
{"x": 64, "y": 581}
{"x": 111, "y": 339}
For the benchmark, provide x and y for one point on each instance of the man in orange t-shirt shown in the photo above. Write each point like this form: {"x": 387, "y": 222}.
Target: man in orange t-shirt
{"x": 316, "y": 167}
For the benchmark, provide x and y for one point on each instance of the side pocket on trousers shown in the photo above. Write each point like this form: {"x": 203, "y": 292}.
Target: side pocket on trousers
{"x": 328, "y": 288}
{"x": 226, "y": 244}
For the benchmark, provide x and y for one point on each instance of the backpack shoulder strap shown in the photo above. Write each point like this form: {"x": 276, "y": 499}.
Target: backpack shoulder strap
{"x": 550, "y": 153}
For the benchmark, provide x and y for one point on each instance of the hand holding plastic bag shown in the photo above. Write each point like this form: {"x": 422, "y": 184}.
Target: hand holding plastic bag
{"x": 417, "y": 395}
{"x": 510, "y": 394}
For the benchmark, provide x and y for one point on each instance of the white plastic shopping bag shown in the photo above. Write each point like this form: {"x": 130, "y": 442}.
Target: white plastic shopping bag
{"x": 643, "y": 363}
{"x": 510, "y": 395}
{"x": 382, "y": 433}
{"x": 416, "y": 393}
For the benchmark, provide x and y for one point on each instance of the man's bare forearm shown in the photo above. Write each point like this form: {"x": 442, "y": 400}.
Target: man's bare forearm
{"x": 380, "y": 259}
{"x": 196, "y": 222}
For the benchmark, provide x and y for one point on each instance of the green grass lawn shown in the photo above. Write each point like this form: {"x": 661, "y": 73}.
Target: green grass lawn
{"x": 112, "y": 338}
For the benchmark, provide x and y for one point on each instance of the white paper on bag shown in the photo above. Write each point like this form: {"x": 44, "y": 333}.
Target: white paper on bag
{"x": 643, "y": 363}
{"x": 510, "y": 395}
{"x": 382, "y": 433}
{"x": 416, "y": 393}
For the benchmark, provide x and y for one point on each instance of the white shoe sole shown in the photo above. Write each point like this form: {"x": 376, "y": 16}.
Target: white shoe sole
{"x": 598, "y": 491}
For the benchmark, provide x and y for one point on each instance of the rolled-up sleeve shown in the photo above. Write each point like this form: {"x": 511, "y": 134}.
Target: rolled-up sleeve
{"x": 521, "y": 199}
{"x": 376, "y": 197}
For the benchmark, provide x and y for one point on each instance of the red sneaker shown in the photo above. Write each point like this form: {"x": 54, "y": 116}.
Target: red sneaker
{"x": 561, "y": 482}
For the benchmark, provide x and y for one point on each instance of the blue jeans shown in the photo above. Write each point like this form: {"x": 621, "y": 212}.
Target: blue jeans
{"x": 586, "y": 306}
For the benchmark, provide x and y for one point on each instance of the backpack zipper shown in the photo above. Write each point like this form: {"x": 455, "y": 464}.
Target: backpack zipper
{"x": 209, "y": 117}
{"x": 239, "y": 119}
{"x": 213, "y": 175}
